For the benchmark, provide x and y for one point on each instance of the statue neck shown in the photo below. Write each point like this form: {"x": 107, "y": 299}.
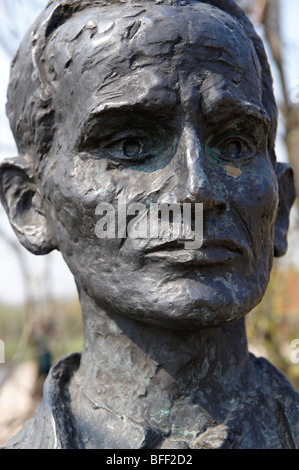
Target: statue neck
{"x": 135, "y": 377}
{"x": 120, "y": 351}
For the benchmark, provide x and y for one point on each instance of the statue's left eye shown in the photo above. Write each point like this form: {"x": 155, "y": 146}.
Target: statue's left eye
{"x": 132, "y": 148}
{"x": 236, "y": 148}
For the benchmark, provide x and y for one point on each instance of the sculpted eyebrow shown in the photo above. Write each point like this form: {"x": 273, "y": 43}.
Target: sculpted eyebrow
{"x": 125, "y": 109}
{"x": 111, "y": 117}
{"x": 227, "y": 108}
{"x": 105, "y": 120}
{"x": 97, "y": 118}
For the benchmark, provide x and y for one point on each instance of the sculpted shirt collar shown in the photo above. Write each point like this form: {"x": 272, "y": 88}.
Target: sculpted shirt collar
{"x": 53, "y": 426}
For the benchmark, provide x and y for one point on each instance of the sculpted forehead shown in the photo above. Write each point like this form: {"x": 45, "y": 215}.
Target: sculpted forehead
{"x": 120, "y": 52}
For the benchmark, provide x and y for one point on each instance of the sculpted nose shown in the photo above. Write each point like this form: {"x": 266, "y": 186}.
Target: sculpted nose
{"x": 197, "y": 187}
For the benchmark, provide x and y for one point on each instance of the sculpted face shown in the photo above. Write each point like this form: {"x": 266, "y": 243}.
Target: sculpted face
{"x": 164, "y": 106}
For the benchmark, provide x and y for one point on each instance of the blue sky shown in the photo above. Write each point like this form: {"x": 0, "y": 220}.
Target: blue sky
{"x": 59, "y": 280}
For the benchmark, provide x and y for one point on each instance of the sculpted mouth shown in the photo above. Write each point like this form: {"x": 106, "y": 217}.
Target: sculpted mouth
{"x": 212, "y": 251}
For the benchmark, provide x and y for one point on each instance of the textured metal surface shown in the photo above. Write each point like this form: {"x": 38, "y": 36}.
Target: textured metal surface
{"x": 162, "y": 103}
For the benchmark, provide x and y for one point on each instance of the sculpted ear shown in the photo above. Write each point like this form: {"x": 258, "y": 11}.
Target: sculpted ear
{"x": 24, "y": 206}
{"x": 287, "y": 196}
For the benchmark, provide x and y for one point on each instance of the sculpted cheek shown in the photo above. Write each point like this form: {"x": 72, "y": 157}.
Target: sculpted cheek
{"x": 252, "y": 187}
{"x": 263, "y": 198}
{"x": 232, "y": 171}
{"x": 251, "y": 192}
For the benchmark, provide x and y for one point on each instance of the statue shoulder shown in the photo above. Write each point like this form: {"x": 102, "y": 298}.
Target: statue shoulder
{"x": 51, "y": 427}
{"x": 277, "y": 394}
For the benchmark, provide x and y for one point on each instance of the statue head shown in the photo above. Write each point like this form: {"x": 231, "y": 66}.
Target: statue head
{"x": 159, "y": 102}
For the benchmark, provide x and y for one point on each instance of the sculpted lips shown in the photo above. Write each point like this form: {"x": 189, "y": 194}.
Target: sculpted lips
{"x": 212, "y": 251}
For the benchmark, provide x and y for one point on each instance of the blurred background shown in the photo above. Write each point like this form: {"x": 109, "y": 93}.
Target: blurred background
{"x": 39, "y": 309}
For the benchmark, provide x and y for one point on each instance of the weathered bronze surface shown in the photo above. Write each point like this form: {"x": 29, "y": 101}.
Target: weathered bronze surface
{"x": 160, "y": 102}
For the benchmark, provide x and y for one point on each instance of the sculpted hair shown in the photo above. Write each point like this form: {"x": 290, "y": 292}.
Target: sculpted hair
{"x": 30, "y": 106}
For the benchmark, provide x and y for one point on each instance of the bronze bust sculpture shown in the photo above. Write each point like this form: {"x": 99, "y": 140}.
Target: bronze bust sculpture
{"x": 161, "y": 102}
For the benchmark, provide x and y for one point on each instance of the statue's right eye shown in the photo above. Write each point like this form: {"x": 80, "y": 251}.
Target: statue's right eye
{"x": 132, "y": 148}
{"x": 129, "y": 148}
{"x": 145, "y": 144}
